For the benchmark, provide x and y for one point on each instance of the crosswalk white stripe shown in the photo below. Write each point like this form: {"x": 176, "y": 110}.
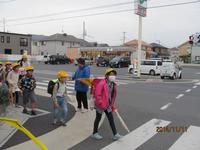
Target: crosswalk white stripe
{"x": 189, "y": 140}
{"x": 139, "y": 136}
{"x": 41, "y": 83}
{"x": 47, "y": 81}
{"x": 45, "y": 88}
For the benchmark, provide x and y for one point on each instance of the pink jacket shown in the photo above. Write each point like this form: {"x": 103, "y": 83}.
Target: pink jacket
{"x": 102, "y": 96}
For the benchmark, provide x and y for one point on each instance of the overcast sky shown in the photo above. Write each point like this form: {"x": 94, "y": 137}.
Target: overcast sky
{"x": 171, "y": 26}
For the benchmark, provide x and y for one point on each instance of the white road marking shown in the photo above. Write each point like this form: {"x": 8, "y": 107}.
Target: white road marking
{"x": 179, "y": 96}
{"x": 197, "y": 83}
{"x": 194, "y": 87}
{"x": 195, "y": 80}
{"x": 41, "y": 83}
{"x": 138, "y": 137}
{"x": 41, "y": 87}
{"x": 189, "y": 90}
{"x": 165, "y": 106}
{"x": 189, "y": 140}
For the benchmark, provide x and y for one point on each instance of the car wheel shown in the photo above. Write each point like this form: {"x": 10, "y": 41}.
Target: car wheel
{"x": 162, "y": 77}
{"x": 180, "y": 77}
{"x": 173, "y": 77}
{"x": 131, "y": 71}
{"x": 152, "y": 73}
{"x": 97, "y": 65}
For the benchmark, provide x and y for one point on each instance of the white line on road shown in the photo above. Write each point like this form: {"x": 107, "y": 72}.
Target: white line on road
{"x": 197, "y": 83}
{"x": 189, "y": 140}
{"x": 165, "y": 106}
{"x": 137, "y": 137}
{"x": 189, "y": 90}
{"x": 194, "y": 87}
{"x": 179, "y": 96}
{"x": 41, "y": 83}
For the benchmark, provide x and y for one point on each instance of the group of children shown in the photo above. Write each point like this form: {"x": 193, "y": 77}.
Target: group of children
{"x": 17, "y": 78}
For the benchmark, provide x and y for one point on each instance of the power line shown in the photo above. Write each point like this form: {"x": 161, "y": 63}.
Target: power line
{"x": 102, "y": 13}
{"x": 71, "y": 11}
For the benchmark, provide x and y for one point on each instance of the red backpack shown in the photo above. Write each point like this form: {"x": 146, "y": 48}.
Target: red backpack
{"x": 95, "y": 82}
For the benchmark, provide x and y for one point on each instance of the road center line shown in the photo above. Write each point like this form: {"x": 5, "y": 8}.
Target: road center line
{"x": 189, "y": 90}
{"x": 165, "y": 106}
{"x": 179, "y": 96}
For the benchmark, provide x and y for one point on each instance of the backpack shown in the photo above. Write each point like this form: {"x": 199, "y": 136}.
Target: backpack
{"x": 51, "y": 86}
{"x": 95, "y": 82}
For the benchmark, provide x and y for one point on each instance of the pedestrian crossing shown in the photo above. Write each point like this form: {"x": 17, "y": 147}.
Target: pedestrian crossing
{"x": 42, "y": 85}
{"x": 189, "y": 140}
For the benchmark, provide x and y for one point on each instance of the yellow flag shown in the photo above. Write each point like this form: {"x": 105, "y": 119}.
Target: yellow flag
{"x": 15, "y": 123}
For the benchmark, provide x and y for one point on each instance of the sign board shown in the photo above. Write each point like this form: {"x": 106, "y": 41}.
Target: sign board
{"x": 141, "y": 7}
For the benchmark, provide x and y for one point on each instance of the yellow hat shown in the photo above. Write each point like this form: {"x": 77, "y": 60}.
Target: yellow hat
{"x": 28, "y": 68}
{"x": 108, "y": 70}
{"x": 62, "y": 74}
{"x": 24, "y": 56}
{"x": 8, "y": 63}
{"x": 15, "y": 65}
{"x": 1, "y": 63}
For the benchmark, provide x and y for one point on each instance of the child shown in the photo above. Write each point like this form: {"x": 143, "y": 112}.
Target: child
{"x": 13, "y": 78}
{"x": 59, "y": 99}
{"x": 4, "y": 100}
{"x": 105, "y": 95}
{"x": 27, "y": 84}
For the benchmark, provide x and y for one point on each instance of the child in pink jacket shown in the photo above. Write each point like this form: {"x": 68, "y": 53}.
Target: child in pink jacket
{"x": 105, "y": 96}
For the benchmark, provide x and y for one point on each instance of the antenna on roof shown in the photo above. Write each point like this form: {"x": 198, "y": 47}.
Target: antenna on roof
{"x": 62, "y": 31}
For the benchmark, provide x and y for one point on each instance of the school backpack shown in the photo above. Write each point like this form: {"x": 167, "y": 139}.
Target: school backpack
{"x": 51, "y": 85}
{"x": 95, "y": 82}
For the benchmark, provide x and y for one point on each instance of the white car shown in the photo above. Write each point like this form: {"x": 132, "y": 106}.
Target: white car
{"x": 151, "y": 67}
{"x": 171, "y": 70}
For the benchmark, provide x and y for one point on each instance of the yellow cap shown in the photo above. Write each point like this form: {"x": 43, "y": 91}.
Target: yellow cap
{"x": 1, "y": 63}
{"x": 8, "y": 63}
{"x": 15, "y": 65}
{"x": 62, "y": 74}
{"x": 28, "y": 68}
{"x": 108, "y": 70}
{"x": 24, "y": 56}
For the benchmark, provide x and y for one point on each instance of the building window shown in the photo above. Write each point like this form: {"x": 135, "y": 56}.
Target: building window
{"x": 23, "y": 42}
{"x": 63, "y": 43}
{"x": 2, "y": 39}
{"x": 35, "y": 43}
{"x": 8, "y": 51}
{"x": 8, "y": 39}
{"x": 43, "y": 43}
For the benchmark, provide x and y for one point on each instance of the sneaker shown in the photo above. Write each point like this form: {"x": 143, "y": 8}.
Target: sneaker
{"x": 33, "y": 113}
{"x": 84, "y": 110}
{"x": 55, "y": 121}
{"x": 96, "y": 136}
{"x": 25, "y": 111}
{"x": 117, "y": 137}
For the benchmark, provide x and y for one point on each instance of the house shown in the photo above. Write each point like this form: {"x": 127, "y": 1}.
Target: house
{"x": 58, "y": 44}
{"x": 161, "y": 51}
{"x": 184, "y": 52}
{"x": 36, "y": 44}
{"x": 146, "y": 48}
{"x": 174, "y": 53}
{"x": 14, "y": 43}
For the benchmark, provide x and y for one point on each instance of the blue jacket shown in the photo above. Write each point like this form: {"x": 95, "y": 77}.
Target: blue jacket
{"x": 83, "y": 72}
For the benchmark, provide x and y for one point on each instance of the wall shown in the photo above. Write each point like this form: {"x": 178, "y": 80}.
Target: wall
{"x": 195, "y": 53}
{"x": 73, "y": 53}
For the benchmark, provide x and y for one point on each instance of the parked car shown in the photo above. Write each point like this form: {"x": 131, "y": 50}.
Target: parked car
{"x": 88, "y": 61}
{"x": 151, "y": 67}
{"x": 171, "y": 70}
{"x": 58, "y": 59}
{"x": 102, "y": 61}
{"x": 120, "y": 62}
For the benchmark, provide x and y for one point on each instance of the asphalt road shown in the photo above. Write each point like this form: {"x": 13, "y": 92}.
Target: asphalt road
{"x": 140, "y": 101}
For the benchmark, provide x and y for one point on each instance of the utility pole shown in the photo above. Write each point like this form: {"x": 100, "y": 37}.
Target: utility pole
{"x": 84, "y": 31}
{"x": 139, "y": 46}
{"x": 4, "y": 25}
{"x": 124, "y": 37}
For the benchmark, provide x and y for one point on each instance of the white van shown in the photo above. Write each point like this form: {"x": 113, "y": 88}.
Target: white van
{"x": 151, "y": 67}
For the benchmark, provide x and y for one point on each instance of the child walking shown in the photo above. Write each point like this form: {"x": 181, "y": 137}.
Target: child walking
{"x": 27, "y": 85}
{"x": 60, "y": 99}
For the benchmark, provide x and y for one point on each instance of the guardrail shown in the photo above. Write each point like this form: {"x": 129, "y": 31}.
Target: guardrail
{"x": 13, "y": 58}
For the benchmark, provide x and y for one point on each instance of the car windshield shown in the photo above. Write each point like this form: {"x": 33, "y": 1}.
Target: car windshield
{"x": 115, "y": 59}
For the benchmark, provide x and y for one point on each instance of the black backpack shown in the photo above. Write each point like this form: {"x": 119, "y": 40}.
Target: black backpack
{"x": 51, "y": 85}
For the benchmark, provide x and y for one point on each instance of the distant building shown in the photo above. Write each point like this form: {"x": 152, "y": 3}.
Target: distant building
{"x": 174, "y": 53}
{"x": 146, "y": 48}
{"x": 161, "y": 51}
{"x": 14, "y": 43}
{"x": 36, "y": 44}
{"x": 58, "y": 44}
